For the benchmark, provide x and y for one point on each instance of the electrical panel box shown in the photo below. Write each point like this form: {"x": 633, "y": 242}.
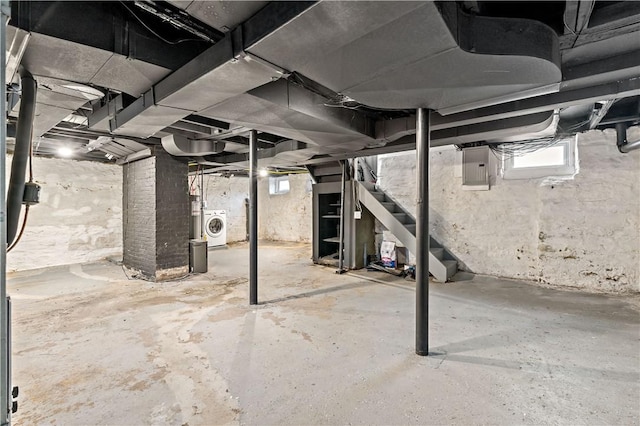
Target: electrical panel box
{"x": 31, "y": 194}
{"x": 475, "y": 168}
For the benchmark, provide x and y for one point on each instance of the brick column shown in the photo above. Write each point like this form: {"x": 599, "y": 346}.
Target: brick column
{"x": 156, "y": 216}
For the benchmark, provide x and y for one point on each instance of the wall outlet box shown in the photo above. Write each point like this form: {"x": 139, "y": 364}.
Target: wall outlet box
{"x": 357, "y": 215}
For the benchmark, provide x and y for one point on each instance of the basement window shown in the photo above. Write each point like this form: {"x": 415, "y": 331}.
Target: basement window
{"x": 558, "y": 160}
{"x": 278, "y": 185}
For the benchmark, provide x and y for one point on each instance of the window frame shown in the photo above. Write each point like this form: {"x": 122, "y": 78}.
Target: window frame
{"x": 275, "y": 183}
{"x": 569, "y": 168}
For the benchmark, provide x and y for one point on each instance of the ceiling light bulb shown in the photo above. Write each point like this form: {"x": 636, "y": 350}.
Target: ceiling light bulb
{"x": 264, "y": 173}
{"x": 65, "y": 151}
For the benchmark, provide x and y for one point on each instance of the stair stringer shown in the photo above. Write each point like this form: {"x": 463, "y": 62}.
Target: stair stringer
{"x": 436, "y": 267}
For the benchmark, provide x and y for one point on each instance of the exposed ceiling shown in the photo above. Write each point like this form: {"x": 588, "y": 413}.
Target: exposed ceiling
{"x": 319, "y": 80}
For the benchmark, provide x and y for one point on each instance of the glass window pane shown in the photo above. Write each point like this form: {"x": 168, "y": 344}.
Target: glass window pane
{"x": 552, "y": 156}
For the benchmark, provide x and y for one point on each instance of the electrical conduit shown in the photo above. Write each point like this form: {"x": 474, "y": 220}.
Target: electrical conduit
{"x": 24, "y": 128}
{"x": 624, "y": 146}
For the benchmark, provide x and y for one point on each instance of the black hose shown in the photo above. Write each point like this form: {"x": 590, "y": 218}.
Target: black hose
{"x": 15, "y": 193}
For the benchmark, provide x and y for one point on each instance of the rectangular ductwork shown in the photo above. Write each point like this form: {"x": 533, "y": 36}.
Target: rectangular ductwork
{"x": 219, "y": 73}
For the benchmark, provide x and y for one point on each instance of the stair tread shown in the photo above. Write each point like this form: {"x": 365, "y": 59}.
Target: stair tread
{"x": 452, "y": 267}
{"x": 437, "y": 252}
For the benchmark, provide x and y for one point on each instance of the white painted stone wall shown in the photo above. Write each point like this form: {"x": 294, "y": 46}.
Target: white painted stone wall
{"x": 583, "y": 233}
{"x": 228, "y": 194}
{"x": 283, "y": 217}
{"x": 78, "y": 219}
{"x": 286, "y": 217}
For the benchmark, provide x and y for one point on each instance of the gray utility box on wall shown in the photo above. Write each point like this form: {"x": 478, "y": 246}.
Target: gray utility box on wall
{"x": 198, "y": 256}
{"x": 475, "y": 168}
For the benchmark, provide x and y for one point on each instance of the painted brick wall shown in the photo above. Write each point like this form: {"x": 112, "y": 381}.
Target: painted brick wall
{"x": 582, "y": 233}
{"x": 172, "y": 212}
{"x": 79, "y": 216}
{"x": 156, "y": 216}
{"x": 139, "y": 218}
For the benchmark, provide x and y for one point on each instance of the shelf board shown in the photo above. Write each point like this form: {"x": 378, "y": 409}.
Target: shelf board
{"x": 335, "y": 204}
{"x": 332, "y": 240}
{"x": 331, "y": 216}
{"x": 329, "y": 260}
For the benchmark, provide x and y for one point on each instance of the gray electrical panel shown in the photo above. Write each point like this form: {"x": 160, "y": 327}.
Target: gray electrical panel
{"x": 475, "y": 168}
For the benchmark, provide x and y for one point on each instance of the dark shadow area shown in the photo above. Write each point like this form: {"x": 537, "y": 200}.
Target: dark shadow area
{"x": 463, "y": 276}
{"x": 319, "y": 292}
{"x": 548, "y": 369}
{"x": 378, "y": 279}
{"x": 478, "y": 342}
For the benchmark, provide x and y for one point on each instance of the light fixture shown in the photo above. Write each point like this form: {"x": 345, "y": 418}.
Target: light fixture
{"x": 65, "y": 152}
{"x": 263, "y": 173}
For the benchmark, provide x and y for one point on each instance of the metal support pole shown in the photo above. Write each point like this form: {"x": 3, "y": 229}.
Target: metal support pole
{"x": 202, "y": 202}
{"x": 342, "y": 218}
{"x": 422, "y": 232}
{"x": 253, "y": 217}
{"x": 5, "y": 373}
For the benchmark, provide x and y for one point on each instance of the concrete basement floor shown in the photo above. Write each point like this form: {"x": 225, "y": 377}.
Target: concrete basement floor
{"x": 93, "y": 347}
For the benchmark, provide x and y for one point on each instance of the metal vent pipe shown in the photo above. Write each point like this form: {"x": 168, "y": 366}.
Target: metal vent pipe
{"x": 624, "y": 146}
{"x": 24, "y": 127}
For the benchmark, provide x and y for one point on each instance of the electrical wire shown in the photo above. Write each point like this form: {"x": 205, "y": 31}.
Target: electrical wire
{"x": 343, "y": 101}
{"x": 31, "y": 158}
{"x": 336, "y": 100}
{"x": 504, "y": 151}
{"x": 298, "y": 172}
{"x": 206, "y": 185}
{"x": 195, "y": 176}
{"x": 518, "y": 149}
{"x": 582, "y": 28}
{"x": 155, "y": 33}
{"x": 22, "y": 228}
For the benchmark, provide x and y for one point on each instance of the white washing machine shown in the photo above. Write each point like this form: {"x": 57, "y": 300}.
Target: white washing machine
{"x": 215, "y": 227}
